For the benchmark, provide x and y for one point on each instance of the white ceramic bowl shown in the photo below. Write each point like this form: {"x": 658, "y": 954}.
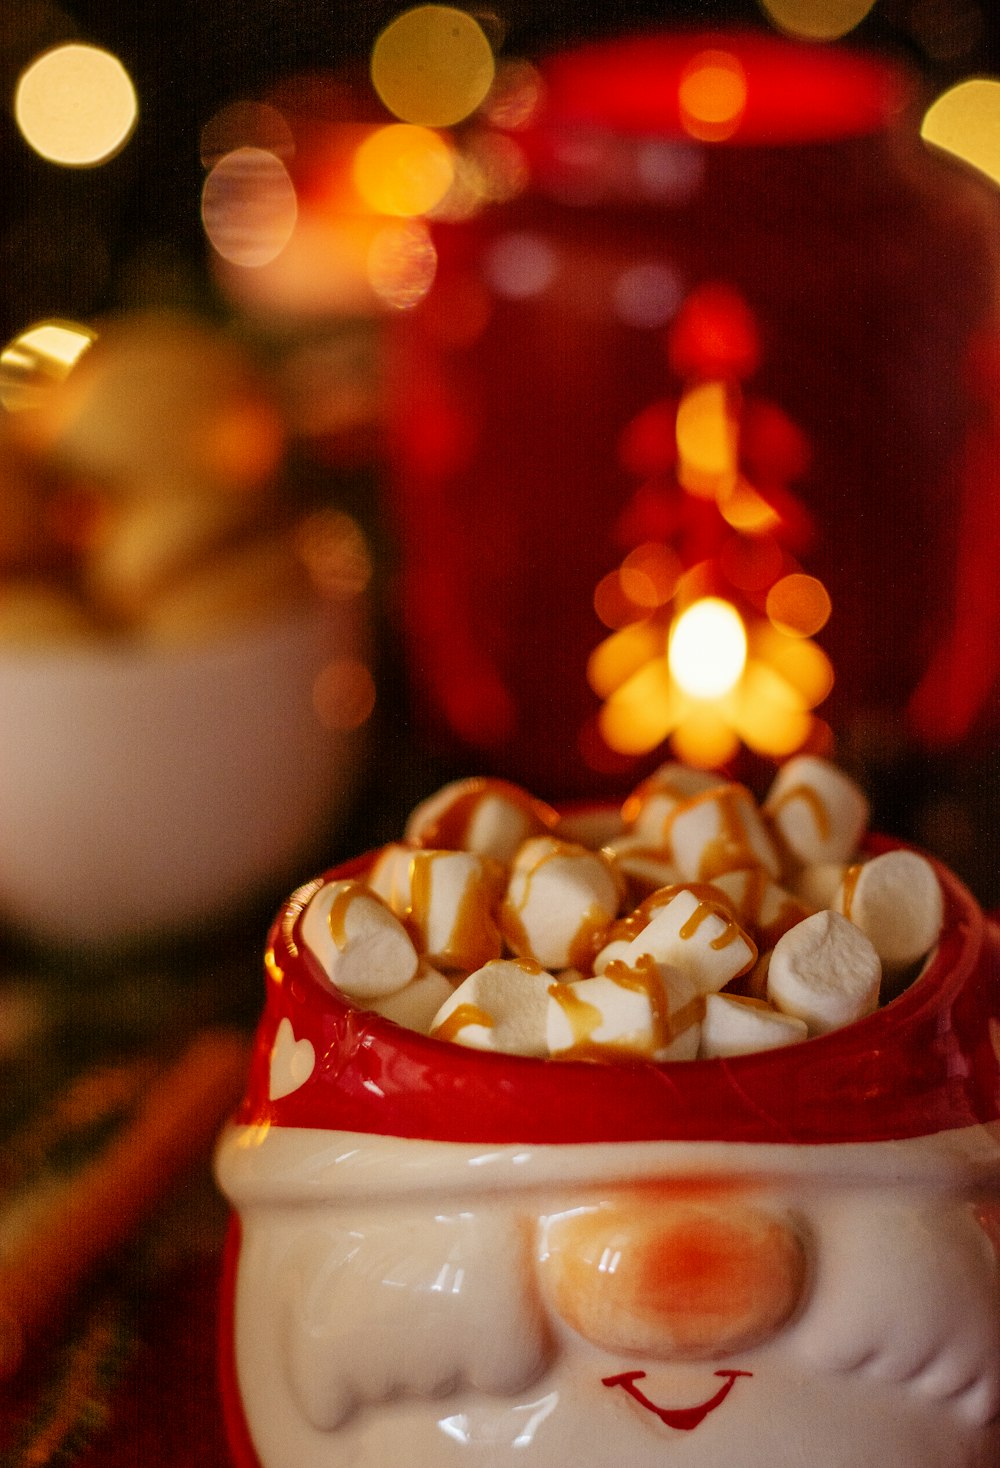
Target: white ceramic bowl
{"x": 143, "y": 792}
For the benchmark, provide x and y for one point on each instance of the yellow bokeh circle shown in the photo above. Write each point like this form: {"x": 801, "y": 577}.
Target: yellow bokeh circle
{"x": 432, "y": 65}
{"x": 76, "y": 105}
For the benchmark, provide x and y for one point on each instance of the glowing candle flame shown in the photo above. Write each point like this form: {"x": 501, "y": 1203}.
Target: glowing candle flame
{"x": 708, "y": 648}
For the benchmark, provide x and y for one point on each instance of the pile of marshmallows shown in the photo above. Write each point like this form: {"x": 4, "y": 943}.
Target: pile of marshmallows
{"x": 694, "y": 923}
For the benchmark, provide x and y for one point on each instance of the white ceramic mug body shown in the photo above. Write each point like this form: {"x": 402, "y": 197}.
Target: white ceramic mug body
{"x": 785, "y": 1259}
{"x": 409, "y": 1301}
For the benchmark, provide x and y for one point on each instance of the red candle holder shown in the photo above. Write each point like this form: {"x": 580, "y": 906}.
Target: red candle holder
{"x": 794, "y": 177}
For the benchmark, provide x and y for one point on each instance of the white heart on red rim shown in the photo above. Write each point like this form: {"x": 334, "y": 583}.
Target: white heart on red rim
{"x": 292, "y": 1062}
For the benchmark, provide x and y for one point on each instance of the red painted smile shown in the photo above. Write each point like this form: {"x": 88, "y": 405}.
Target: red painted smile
{"x": 685, "y": 1418}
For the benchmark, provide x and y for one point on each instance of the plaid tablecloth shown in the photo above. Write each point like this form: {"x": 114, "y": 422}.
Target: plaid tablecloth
{"x": 129, "y": 1376}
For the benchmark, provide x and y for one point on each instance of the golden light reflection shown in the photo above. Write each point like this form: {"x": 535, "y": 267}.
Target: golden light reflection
{"x": 707, "y": 650}
{"x": 799, "y": 605}
{"x": 245, "y": 125}
{"x": 344, "y": 694}
{"x": 712, "y": 95}
{"x": 249, "y": 207}
{"x": 707, "y": 440}
{"x": 817, "y": 20}
{"x": 76, "y": 105}
{"x": 404, "y": 170}
{"x": 401, "y": 264}
{"x": 965, "y": 121}
{"x": 38, "y": 358}
{"x": 691, "y": 657}
{"x": 432, "y": 65}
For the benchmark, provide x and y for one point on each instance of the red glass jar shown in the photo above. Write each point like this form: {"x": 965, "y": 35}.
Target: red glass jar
{"x": 868, "y": 264}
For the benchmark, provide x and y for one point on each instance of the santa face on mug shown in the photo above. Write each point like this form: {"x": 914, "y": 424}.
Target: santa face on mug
{"x": 697, "y": 1303}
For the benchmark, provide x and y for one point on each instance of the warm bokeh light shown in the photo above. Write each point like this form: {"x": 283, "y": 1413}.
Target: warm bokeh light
{"x": 245, "y": 125}
{"x": 742, "y": 507}
{"x": 771, "y": 716}
{"x": 402, "y": 263}
{"x": 76, "y": 105}
{"x": 614, "y": 661}
{"x": 704, "y": 738}
{"x": 799, "y": 605}
{"x": 520, "y": 264}
{"x": 344, "y": 694}
{"x": 712, "y": 95}
{"x": 335, "y": 552}
{"x": 249, "y": 207}
{"x": 707, "y": 440}
{"x": 515, "y": 96}
{"x": 404, "y": 170}
{"x": 649, "y": 575}
{"x": 965, "y": 121}
{"x": 800, "y": 662}
{"x": 432, "y": 65}
{"x": 817, "y": 20}
{"x": 707, "y": 651}
{"x": 647, "y": 295}
{"x": 38, "y": 358}
{"x": 641, "y": 713}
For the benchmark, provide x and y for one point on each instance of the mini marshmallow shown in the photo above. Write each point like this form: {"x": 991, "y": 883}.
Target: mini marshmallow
{"x": 690, "y": 930}
{"x": 590, "y": 826}
{"x": 390, "y": 876}
{"x": 735, "y": 1025}
{"x": 649, "y": 1010}
{"x": 720, "y": 831}
{"x": 818, "y": 812}
{"x": 560, "y": 899}
{"x": 817, "y": 885}
{"x": 447, "y": 900}
{"x": 646, "y": 811}
{"x": 645, "y": 867}
{"x": 415, "y": 1006}
{"x": 825, "y": 971}
{"x": 503, "y": 1006}
{"x": 761, "y": 905}
{"x": 896, "y": 900}
{"x": 491, "y": 817}
{"x": 362, "y": 947}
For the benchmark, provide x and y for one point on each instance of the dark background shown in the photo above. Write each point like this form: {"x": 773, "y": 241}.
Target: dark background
{"x": 79, "y": 242}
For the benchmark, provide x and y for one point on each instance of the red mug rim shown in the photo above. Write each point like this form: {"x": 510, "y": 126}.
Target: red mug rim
{"x": 924, "y": 1063}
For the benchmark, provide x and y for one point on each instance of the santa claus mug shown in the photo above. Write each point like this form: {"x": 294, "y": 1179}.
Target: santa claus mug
{"x": 448, "y": 1257}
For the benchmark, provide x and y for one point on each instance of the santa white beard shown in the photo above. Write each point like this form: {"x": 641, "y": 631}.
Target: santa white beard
{"x": 392, "y": 1307}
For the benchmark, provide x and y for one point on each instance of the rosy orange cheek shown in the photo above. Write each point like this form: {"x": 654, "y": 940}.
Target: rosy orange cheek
{"x": 686, "y": 1279}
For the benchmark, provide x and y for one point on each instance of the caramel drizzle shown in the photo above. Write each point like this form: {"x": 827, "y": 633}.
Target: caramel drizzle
{"x": 337, "y": 916}
{"x": 711, "y": 902}
{"x": 757, "y": 884}
{"x": 460, "y": 1018}
{"x": 589, "y": 936}
{"x": 818, "y": 807}
{"x": 451, "y": 828}
{"x": 731, "y": 850}
{"x": 474, "y": 938}
{"x": 643, "y": 978}
{"x": 850, "y": 882}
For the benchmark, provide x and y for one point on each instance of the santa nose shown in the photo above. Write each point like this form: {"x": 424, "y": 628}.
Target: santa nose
{"x": 673, "y": 1277}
